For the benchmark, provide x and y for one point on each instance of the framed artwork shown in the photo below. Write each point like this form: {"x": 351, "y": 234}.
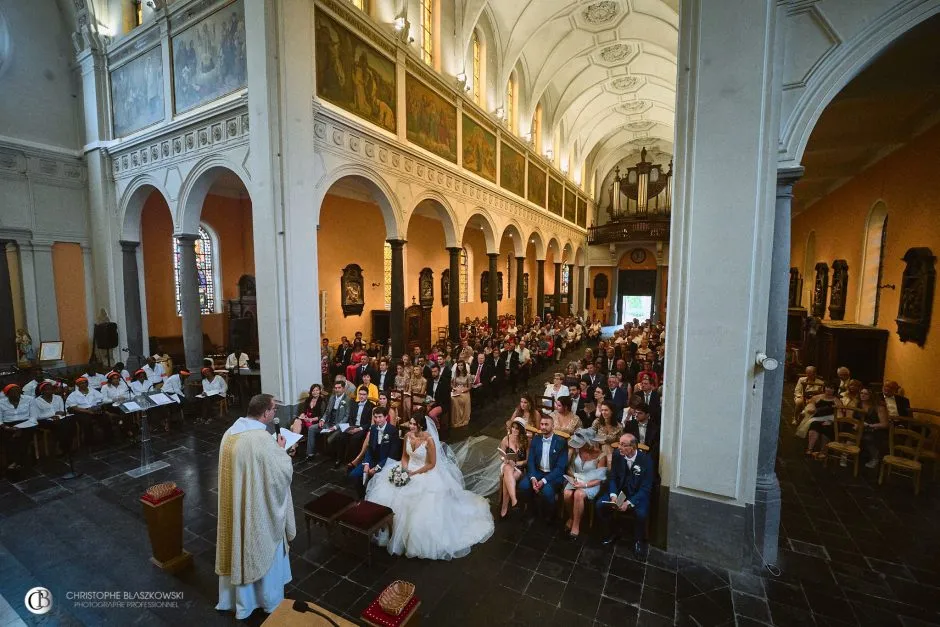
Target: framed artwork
{"x": 353, "y": 75}
{"x": 601, "y": 286}
{"x": 479, "y": 149}
{"x": 570, "y": 207}
{"x": 431, "y": 121}
{"x": 555, "y": 194}
{"x": 916, "y": 300}
{"x": 525, "y": 285}
{"x": 445, "y": 288}
{"x": 353, "y": 289}
{"x": 820, "y": 290}
{"x": 499, "y": 286}
{"x": 536, "y": 191}
{"x": 209, "y": 58}
{"x": 840, "y": 281}
{"x": 137, "y": 93}
{"x": 50, "y": 351}
{"x": 581, "y": 218}
{"x": 426, "y": 287}
{"x": 511, "y": 170}
{"x": 485, "y": 286}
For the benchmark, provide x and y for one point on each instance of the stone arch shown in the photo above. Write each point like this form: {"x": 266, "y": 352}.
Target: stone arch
{"x": 518, "y": 241}
{"x": 567, "y": 253}
{"x": 445, "y": 213}
{"x": 196, "y": 187}
{"x": 555, "y": 247}
{"x": 378, "y": 187}
{"x": 846, "y": 62}
{"x": 579, "y": 256}
{"x": 869, "y": 270}
{"x": 131, "y": 205}
{"x": 489, "y": 229}
{"x": 535, "y": 238}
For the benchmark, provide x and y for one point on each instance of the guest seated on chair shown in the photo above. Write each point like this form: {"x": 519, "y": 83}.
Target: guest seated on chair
{"x": 95, "y": 378}
{"x": 516, "y": 447}
{"x": 875, "y": 417}
{"x": 236, "y": 360}
{"x": 544, "y": 476}
{"x": 154, "y": 372}
{"x": 382, "y": 443}
{"x": 806, "y": 388}
{"x": 607, "y": 428}
{"x": 587, "y": 469}
{"x": 85, "y": 403}
{"x": 174, "y": 385}
{"x": 141, "y": 384}
{"x": 117, "y": 390}
{"x": 214, "y": 389}
{"x": 817, "y": 422}
{"x": 308, "y": 422}
{"x": 31, "y": 388}
{"x": 526, "y": 409}
{"x": 631, "y": 474}
{"x": 48, "y": 410}
{"x": 15, "y": 410}
{"x": 565, "y": 421}
{"x": 895, "y": 403}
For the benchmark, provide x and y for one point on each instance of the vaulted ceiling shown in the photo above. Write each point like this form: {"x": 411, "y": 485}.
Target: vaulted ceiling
{"x": 603, "y": 70}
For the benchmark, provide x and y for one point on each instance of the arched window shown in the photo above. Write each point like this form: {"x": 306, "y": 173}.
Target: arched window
{"x": 869, "y": 298}
{"x": 427, "y": 31}
{"x": 537, "y": 129}
{"x": 388, "y": 275}
{"x": 464, "y": 275}
{"x": 511, "y": 103}
{"x": 476, "y": 50}
{"x": 207, "y": 270}
{"x": 565, "y": 277}
{"x": 359, "y": 4}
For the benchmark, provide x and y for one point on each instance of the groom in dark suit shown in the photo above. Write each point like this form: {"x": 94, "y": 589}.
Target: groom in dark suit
{"x": 545, "y": 475}
{"x": 384, "y": 443}
{"x": 631, "y": 472}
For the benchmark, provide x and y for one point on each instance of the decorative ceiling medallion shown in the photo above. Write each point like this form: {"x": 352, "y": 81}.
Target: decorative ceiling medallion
{"x": 640, "y": 125}
{"x": 633, "y": 106}
{"x": 625, "y": 83}
{"x": 600, "y": 12}
{"x": 616, "y": 52}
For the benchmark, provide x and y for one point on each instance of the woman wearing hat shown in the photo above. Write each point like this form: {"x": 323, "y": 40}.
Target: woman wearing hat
{"x": 141, "y": 384}
{"x": 214, "y": 390}
{"x": 16, "y": 424}
{"x": 587, "y": 469}
{"x": 85, "y": 403}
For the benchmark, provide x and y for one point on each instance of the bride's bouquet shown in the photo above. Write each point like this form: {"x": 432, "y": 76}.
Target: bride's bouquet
{"x": 398, "y": 476}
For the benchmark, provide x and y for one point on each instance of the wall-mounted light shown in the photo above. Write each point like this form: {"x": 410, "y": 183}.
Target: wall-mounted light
{"x": 501, "y": 113}
{"x": 462, "y": 77}
{"x": 549, "y": 154}
{"x": 399, "y": 23}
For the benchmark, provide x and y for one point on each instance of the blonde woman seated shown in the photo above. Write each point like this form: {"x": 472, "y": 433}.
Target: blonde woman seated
{"x": 607, "y": 428}
{"x": 527, "y": 412}
{"x": 566, "y": 421}
{"x": 516, "y": 447}
{"x": 817, "y": 420}
{"x": 417, "y": 388}
{"x": 587, "y": 469}
{"x": 555, "y": 389}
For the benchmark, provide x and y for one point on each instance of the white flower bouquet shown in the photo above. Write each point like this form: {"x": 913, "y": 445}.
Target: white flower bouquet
{"x": 398, "y": 476}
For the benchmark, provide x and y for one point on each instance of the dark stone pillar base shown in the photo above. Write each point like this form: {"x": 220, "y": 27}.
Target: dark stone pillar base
{"x": 710, "y": 531}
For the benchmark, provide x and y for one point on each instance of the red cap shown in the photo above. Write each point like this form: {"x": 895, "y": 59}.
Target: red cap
{"x": 81, "y": 380}
{"x": 141, "y": 371}
{"x": 113, "y": 373}
{"x": 184, "y": 372}
{"x": 10, "y": 387}
{"x": 206, "y": 371}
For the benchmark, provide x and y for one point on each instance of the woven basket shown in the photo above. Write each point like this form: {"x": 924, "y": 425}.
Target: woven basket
{"x": 396, "y": 596}
{"x": 161, "y": 490}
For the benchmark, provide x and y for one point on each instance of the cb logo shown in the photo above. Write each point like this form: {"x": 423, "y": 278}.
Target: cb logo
{"x": 38, "y": 600}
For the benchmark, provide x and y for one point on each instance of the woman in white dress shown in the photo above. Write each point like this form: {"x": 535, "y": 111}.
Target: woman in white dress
{"x": 435, "y": 517}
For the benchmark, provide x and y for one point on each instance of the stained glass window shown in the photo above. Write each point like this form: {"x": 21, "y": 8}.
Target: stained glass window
{"x": 477, "y": 69}
{"x": 464, "y": 274}
{"x": 359, "y": 4}
{"x": 206, "y": 255}
{"x": 564, "y": 279}
{"x": 388, "y": 275}
{"x": 511, "y": 102}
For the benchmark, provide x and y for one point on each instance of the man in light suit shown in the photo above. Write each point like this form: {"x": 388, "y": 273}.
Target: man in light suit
{"x": 631, "y": 472}
{"x": 545, "y": 474}
{"x": 335, "y": 413}
{"x": 384, "y": 443}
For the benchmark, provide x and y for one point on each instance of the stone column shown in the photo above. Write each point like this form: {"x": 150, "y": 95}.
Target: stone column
{"x": 397, "y": 318}
{"x": 581, "y": 288}
{"x": 7, "y": 323}
{"x": 189, "y": 302}
{"x": 47, "y": 307}
{"x": 571, "y": 278}
{"x": 453, "y": 302}
{"x": 614, "y": 295}
{"x": 767, "y": 492}
{"x": 133, "y": 318}
{"x": 658, "y": 293}
{"x": 491, "y": 311}
{"x": 539, "y": 288}
{"x": 557, "y": 297}
{"x": 520, "y": 296}
{"x": 28, "y": 281}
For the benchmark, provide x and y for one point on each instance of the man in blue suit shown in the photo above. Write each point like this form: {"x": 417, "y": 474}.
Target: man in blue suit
{"x": 631, "y": 472}
{"x": 616, "y": 395}
{"x": 548, "y": 457}
{"x": 384, "y": 443}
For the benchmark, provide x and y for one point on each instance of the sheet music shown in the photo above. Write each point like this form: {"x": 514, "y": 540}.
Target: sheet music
{"x": 26, "y": 424}
{"x": 131, "y": 406}
{"x": 161, "y": 399}
{"x": 290, "y": 438}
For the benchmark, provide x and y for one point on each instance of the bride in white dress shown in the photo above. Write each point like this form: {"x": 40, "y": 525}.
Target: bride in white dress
{"x": 435, "y": 517}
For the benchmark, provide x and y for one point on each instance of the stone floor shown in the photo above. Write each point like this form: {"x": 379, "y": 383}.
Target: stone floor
{"x": 851, "y": 553}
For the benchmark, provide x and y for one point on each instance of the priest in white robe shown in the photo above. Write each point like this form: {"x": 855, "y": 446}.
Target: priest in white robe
{"x": 256, "y": 513}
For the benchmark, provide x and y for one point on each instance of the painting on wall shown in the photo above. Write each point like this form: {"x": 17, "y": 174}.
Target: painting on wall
{"x": 554, "y": 195}
{"x": 426, "y": 287}
{"x": 353, "y": 288}
{"x": 353, "y": 75}
{"x": 137, "y": 93}
{"x": 431, "y": 121}
{"x": 569, "y": 205}
{"x": 536, "y": 191}
{"x": 511, "y": 170}
{"x": 209, "y": 58}
{"x": 479, "y": 149}
{"x": 581, "y": 218}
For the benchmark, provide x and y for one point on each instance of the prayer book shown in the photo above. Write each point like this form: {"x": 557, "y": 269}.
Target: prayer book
{"x": 342, "y": 427}
{"x": 504, "y": 456}
{"x": 131, "y": 406}
{"x": 160, "y": 399}
{"x": 290, "y": 437}
{"x": 621, "y": 499}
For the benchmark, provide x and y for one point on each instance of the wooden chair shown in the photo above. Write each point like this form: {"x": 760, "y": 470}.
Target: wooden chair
{"x": 931, "y": 451}
{"x": 905, "y": 445}
{"x": 847, "y": 442}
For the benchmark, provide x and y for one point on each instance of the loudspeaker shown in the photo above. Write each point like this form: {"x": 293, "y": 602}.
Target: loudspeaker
{"x": 106, "y": 335}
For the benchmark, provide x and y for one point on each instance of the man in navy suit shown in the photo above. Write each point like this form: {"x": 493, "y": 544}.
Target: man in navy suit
{"x": 384, "y": 443}
{"x": 631, "y": 472}
{"x": 548, "y": 457}
{"x": 616, "y": 395}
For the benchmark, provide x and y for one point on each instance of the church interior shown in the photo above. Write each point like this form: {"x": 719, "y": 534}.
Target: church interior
{"x": 213, "y": 200}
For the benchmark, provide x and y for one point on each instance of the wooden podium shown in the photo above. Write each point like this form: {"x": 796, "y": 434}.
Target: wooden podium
{"x": 286, "y": 616}
{"x": 164, "y": 518}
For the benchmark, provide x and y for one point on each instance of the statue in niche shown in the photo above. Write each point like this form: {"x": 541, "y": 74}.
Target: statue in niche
{"x": 525, "y": 285}
{"x": 499, "y": 286}
{"x": 246, "y": 286}
{"x": 840, "y": 280}
{"x": 351, "y": 287}
{"x": 820, "y": 290}
{"x": 426, "y": 287}
{"x": 916, "y": 299}
{"x": 485, "y": 286}
{"x": 445, "y": 287}
{"x": 795, "y": 288}
{"x": 24, "y": 347}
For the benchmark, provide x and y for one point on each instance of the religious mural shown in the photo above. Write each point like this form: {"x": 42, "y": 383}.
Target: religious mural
{"x": 569, "y": 205}
{"x": 137, "y": 93}
{"x": 431, "y": 120}
{"x": 209, "y": 58}
{"x": 511, "y": 170}
{"x": 479, "y": 149}
{"x": 554, "y": 195}
{"x": 353, "y": 75}
{"x": 581, "y": 218}
{"x": 536, "y": 191}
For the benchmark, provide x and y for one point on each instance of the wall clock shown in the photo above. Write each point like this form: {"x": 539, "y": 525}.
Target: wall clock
{"x": 638, "y": 255}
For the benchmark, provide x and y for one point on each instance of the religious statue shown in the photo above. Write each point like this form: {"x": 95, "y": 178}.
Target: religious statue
{"x": 24, "y": 347}
{"x": 351, "y": 289}
{"x": 445, "y": 287}
{"x": 426, "y": 287}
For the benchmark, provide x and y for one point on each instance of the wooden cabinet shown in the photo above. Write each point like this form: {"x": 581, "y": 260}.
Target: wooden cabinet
{"x": 858, "y": 347}
{"x": 418, "y": 328}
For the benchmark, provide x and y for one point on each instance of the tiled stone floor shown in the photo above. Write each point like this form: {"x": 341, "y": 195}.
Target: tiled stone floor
{"x": 851, "y": 553}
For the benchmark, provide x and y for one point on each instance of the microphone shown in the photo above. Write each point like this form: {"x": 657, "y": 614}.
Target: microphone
{"x": 277, "y": 424}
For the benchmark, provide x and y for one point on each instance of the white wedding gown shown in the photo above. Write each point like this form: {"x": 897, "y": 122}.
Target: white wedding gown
{"x": 435, "y": 517}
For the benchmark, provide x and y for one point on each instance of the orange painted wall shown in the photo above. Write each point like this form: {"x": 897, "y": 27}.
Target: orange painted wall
{"x": 906, "y": 181}
{"x": 508, "y": 304}
{"x": 230, "y": 218}
{"x": 69, "y": 269}
{"x": 425, "y": 249}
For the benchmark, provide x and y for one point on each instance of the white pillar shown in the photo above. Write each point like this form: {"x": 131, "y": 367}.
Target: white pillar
{"x": 280, "y": 40}
{"x": 727, "y": 114}
{"x": 28, "y": 282}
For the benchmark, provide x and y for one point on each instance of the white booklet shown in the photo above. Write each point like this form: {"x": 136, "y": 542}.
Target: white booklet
{"x": 131, "y": 406}
{"x": 161, "y": 399}
{"x": 342, "y": 427}
{"x": 290, "y": 438}
{"x": 621, "y": 499}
